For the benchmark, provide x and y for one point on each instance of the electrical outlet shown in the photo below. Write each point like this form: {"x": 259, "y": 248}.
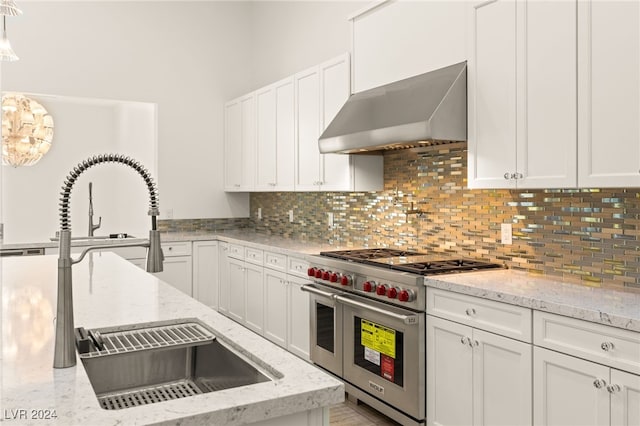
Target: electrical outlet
{"x": 506, "y": 233}
{"x": 259, "y": 213}
{"x": 330, "y": 219}
{"x": 168, "y": 213}
{"x": 291, "y": 216}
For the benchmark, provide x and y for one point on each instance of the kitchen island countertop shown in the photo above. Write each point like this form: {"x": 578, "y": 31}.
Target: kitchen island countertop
{"x": 109, "y": 291}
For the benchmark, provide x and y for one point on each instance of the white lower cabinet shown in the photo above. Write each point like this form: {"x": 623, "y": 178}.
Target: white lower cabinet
{"x": 224, "y": 278}
{"x": 205, "y": 272}
{"x": 298, "y": 317}
{"x": 275, "y": 323}
{"x": 254, "y": 297}
{"x": 237, "y": 290}
{"x": 578, "y": 376}
{"x": 177, "y": 272}
{"x": 475, "y": 377}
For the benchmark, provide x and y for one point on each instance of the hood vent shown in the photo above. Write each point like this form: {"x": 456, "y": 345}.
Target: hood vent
{"x": 428, "y": 109}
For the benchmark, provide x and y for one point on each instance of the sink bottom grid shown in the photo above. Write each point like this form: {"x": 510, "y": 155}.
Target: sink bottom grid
{"x": 149, "y": 395}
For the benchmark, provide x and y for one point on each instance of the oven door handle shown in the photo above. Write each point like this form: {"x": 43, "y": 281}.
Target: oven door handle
{"x": 407, "y": 319}
{"x": 310, "y": 288}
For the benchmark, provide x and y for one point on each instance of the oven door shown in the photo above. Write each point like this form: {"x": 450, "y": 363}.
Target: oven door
{"x": 326, "y": 328}
{"x": 385, "y": 352}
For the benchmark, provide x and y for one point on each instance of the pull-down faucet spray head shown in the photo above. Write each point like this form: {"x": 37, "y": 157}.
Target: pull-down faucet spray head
{"x": 65, "y": 355}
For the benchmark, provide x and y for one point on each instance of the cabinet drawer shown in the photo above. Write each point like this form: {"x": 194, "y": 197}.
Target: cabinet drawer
{"x": 176, "y": 249}
{"x": 500, "y": 318}
{"x": 297, "y": 266}
{"x": 236, "y": 251}
{"x": 253, "y": 255}
{"x": 600, "y": 343}
{"x": 275, "y": 261}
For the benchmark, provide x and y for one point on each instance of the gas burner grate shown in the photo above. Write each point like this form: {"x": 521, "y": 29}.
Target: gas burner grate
{"x": 444, "y": 266}
{"x": 368, "y": 254}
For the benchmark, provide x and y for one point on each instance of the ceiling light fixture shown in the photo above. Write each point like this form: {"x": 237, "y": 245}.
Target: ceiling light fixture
{"x": 7, "y": 8}
{"x": 27, "y": 130}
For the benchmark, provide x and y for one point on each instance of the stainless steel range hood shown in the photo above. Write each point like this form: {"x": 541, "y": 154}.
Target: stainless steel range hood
{"x": 418, "y": 111}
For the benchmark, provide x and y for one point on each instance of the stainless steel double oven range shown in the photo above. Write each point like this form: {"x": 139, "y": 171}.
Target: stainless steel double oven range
{"x": 368, "y": 323}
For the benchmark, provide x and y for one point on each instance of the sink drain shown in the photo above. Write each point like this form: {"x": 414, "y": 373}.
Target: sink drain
{"x": 150, "y": 395}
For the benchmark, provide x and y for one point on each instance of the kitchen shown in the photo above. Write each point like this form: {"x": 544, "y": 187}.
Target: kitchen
{"x": 584, "y": 236}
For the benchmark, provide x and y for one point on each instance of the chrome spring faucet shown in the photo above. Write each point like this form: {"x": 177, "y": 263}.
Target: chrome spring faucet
{"x": 64, "y": 352}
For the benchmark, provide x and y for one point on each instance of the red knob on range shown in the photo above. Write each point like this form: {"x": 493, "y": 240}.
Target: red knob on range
{"x": 368, "y": 286}
{"x": 406, "y": 296}
{"x": 392, "y": 293}
{"x": 345, "y": 280}
{"x": 319, "y": 273}
{"x": 333, "y": 277}
{"x": 381, "y": 290}
{"x": 325, "y": 275}
{"x": 311, "y": 272}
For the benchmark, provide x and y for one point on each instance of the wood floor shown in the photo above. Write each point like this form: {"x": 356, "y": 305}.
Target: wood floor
{"x": 350, "y": 414}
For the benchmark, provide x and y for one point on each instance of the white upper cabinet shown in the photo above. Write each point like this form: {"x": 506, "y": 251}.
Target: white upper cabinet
{"x": 522, "y": 94}
{"x": 275, "y": 137}
{"x": 609, "y": 93}
{"x": 394, "y": 40}
{"x": 307, "y": 84}
{"x": 334, "y": 92}
{"x": 240, "y": 143}
{"x": 271, "y": 136}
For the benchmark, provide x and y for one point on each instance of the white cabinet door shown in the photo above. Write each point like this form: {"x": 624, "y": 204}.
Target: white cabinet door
{"x": 266, "y": 162}
{"x": 275, "y": 322}
{"x": 546, "y": 97}
{"x": 566, "y": 392}
{"x": 254, "y": 309}
{"x": 177, "y": 271}
{"x": 307, "y": 86}
{"x": 237, "y": 289}
{"x": 609, "y": 94}
{"x": 491, "y": 81}
{"x": 224, "y": 288}
{"x": 299, "y": 318}
{"x": 502, "y": 384}
{"x": 449, "y": 373}
{"x": 248, "y": 160}
{"x": 625, "y": 402}
{"x": 337, "y": 173}
{"x": 206, "y": 272}
{"x": 285, "y": 134}
{"x": 392, "y": 38}
{"x": 232, "y": 145}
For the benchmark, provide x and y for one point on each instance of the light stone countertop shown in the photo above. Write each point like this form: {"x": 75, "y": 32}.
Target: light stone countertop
{"x": 110, "y": 291}
{"x": 610, "y": 305}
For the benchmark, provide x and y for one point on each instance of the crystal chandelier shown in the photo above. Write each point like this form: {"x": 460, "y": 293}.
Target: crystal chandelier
{"x": 27, "y": 130}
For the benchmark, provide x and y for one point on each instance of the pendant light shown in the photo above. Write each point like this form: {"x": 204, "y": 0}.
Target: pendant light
{"x": 7, "y": 8}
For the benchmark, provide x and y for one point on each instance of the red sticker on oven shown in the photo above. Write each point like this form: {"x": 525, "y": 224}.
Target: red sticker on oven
{"x": 387, "y": 367}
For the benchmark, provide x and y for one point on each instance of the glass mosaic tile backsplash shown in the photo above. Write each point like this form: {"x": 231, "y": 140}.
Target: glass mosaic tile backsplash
{"x": 589, "y": 235}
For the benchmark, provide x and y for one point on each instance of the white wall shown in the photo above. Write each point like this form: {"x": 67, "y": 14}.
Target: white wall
{"x": 83, "y": 127}
{"x": 186, "y": 57}
{"x": 290, "y": 36}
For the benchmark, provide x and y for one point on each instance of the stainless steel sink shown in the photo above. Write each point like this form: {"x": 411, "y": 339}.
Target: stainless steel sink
{"x": 155, "y": 362}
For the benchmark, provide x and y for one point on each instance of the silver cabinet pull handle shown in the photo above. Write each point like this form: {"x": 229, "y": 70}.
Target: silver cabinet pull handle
{"x": 475, "y": 344}
{"x": 507, "y": 176}
{"x": 614, "y": 388}
{"x": 470, "y": 311}
{"x": 607, "y": 346}
{"x": 464, "y": 340}
{"x": 599, "y": 383}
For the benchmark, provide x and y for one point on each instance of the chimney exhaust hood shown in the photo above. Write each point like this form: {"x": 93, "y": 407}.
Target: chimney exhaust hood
{"x": 424, "y": 110}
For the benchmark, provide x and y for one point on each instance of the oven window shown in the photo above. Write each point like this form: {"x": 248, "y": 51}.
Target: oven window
{"x": 325, "y": 326}
{"x": 379, "y": 349}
